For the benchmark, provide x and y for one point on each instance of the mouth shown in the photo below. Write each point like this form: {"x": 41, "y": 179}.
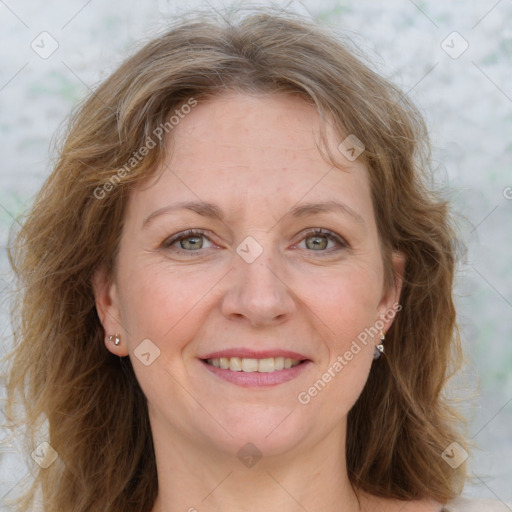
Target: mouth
{"x": 250, "y": 365}
{"x": 256, "y": 369}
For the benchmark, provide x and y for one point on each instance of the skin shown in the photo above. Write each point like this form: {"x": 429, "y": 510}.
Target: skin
{"x": 256, "y": 157}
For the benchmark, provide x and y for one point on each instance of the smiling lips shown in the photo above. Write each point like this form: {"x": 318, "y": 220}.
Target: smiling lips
{"x": 255, "y": 368}
{"x": 244, "y": 364}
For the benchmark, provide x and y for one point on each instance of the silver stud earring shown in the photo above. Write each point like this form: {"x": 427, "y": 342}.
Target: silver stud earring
{"x": 379, "y": 349}
{"x": 116, "y": 338}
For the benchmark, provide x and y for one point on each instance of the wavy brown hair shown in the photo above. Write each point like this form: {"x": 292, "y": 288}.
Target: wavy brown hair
{"x": 60, "y": 369}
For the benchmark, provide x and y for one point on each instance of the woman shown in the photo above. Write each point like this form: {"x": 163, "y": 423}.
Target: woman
{"x": 237, "y": 288}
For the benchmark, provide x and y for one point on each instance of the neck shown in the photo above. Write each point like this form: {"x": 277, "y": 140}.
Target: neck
{"x": 198, "y": 479}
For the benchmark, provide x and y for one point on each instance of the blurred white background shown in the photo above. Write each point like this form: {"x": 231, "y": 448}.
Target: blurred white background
{"x": 461, "y": 82}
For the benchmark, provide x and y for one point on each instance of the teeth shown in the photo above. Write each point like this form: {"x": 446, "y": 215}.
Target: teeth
{"x": 249, "y": 365}
{"x": 267, "y": 365}
{"x": 235, "y": 364}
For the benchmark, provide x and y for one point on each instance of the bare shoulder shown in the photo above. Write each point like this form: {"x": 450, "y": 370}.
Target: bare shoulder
{"x": 377, "y": 504}
{"x": 417, "y": 506}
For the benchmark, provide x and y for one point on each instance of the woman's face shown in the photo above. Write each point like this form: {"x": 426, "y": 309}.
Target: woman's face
{"x": 282, "y": 266}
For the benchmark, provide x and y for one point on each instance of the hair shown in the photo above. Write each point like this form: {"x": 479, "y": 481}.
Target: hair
{"x": 94, "y": 407}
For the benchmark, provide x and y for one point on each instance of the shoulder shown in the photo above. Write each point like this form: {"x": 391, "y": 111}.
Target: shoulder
{"x": 475, "y": 505}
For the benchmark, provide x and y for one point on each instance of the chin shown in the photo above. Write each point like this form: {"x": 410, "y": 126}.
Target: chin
{"x": 272, "y": 431}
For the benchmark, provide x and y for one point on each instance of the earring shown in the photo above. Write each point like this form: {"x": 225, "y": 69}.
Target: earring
{"x": 116, "y": 338}
{"x": 379, "y": 349}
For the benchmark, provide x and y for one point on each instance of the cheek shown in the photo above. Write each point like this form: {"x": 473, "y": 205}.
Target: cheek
{"x": 167, "y": 307}
{"x": 346, "y": 302}
{"x": 164, "y": 304}
{"x": 348, "y": 311}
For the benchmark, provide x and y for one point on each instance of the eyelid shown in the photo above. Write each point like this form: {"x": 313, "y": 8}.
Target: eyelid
{"x": 325, "y": 232}
{"x": 168, "y": 242}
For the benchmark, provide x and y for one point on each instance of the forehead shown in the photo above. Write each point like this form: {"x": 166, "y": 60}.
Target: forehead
{"x": 239, "y": 128}
{"x": 250, "y": 149}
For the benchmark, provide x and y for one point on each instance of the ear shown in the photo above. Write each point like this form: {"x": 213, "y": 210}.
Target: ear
{"x": 107, "y": 305}
{"x": 390, "y": 302}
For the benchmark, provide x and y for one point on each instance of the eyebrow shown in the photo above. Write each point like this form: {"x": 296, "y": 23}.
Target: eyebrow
{"x": 203, "y": 208}
{"x": 302, "y": 210}
{"x": 211, "y": 210}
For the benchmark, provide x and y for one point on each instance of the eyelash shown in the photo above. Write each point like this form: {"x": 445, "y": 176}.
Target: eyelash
{"x": 167, "y": 244}
{"x": 329, "y": 235}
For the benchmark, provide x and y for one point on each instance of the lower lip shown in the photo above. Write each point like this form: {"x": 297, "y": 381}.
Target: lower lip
{"x": 258, "y": 379}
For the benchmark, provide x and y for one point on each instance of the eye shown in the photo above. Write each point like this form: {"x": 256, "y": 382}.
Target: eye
{"x": 322, "y": 240}
{"x": 191, "y": 240}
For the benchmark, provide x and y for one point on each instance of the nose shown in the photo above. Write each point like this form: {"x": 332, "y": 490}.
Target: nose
{"x": 258, "y": 292}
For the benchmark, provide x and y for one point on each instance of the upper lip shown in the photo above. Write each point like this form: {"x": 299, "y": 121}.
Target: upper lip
{"x": 246, "y": 353}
